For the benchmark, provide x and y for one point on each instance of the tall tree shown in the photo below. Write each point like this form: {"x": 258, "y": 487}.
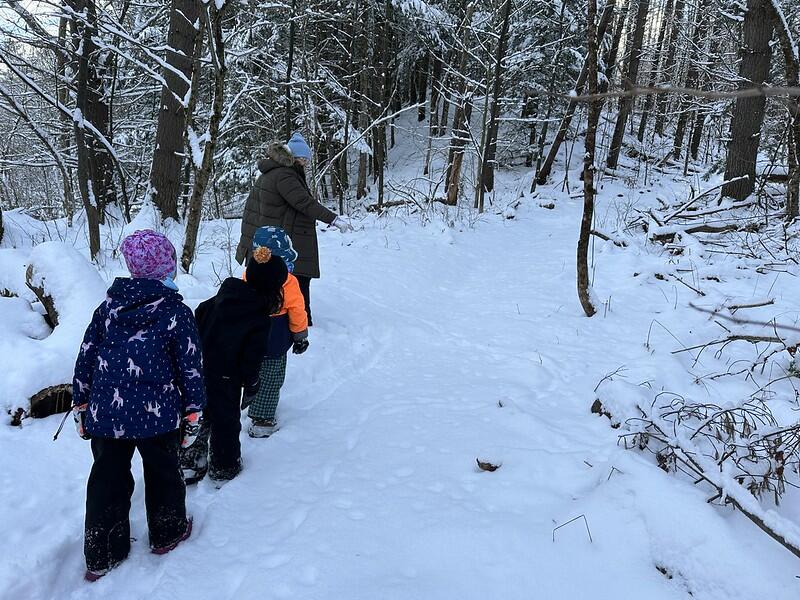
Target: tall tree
{"x": 95, "y": 163}
{"x": 748, "y": 113}
{"x": 694, "y": 59}
{"x": 287, "y": 128}
{"x": 460, "y": 130}
{"x": 486, "y": 177}
{"x": 216, "y": 42}
{"x": 791, "y": 56}
{"x": 629, "y": 82}
{"x": 584, "y": 285}
{"x": 666, "y": 73}
{"x": 654, "y": 71}
{"x": 167, "y": 166}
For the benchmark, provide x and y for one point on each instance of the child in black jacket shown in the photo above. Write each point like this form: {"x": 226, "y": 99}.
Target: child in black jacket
{"x": 234, "y": 330}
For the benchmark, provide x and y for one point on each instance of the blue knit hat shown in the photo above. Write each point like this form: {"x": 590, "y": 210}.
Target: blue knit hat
{"x": 279, "y": 243}
{"x": 299, "y": 147}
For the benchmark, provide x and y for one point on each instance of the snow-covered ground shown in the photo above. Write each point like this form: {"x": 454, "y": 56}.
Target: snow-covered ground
{"x": 434, "y": 346}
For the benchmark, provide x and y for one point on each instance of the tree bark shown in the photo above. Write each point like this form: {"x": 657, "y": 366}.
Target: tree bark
{"x": 287, "y": 127}
{"x": 613, "y": 49}
{"x": 165, "y": 173}
{"x": 654, "y": 76}
{"x": 748, "y": 113}
{"x": 203, "y": 174}
{"x": 486, "y": 183}
{"x": 584, "y": 285}
{"x": 631, "y": 77}
{"x": 90, "y": 180}
{"x": 422, "y": 85}
{"x": 692, "y": 76}
{"x": 666, "y": 73}
{"x": 791, "y": 56}
{"x": 460, "y": 133}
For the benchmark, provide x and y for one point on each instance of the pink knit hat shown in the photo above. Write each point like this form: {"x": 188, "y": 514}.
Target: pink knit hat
{"x": 149, "y": 255}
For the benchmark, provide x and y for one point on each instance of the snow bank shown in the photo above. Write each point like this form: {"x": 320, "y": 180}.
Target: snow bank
{"x": 22, "y": 230}
{"x": 34, "y": 360}
{"x": 12, "y": 274}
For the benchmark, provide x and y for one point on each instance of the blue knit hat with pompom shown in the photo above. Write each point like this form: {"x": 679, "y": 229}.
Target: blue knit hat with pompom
{"x": 278, "y": 242}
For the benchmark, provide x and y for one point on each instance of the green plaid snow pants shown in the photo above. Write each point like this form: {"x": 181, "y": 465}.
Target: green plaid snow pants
{"x": 272, "y": 374}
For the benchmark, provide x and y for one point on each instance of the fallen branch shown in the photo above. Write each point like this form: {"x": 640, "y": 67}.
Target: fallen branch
{"x": 608, "y": 238}
{"x": 732, "y": 434}
{"x": 668, "y": 236}
{"x": 702, "y": 195}
{"x": 753, "y": 339}
{"x": 735, "y": 307}
{"x": 714, "y": 211}
{"x": 739, "y": 321}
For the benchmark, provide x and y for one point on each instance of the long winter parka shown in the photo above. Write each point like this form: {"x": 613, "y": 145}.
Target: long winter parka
{"x": 281, "y": 197}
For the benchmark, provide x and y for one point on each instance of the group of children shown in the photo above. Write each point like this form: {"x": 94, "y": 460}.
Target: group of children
{"x": 151, "y": 376}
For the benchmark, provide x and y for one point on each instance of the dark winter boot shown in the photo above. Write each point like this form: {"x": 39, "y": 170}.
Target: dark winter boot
{"x": 92, "y": 576}
{"x": 170, "y": 547}
{"x": 224, "y": 474}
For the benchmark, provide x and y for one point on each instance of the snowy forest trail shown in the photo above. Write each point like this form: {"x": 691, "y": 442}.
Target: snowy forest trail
{"x": 430, "y": 349}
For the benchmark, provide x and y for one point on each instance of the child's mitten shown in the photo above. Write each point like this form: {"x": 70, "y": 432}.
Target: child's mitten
{"x": 299, "y": 346}
{"x": 190, "y": 428}
{"x": 79, "y": 416}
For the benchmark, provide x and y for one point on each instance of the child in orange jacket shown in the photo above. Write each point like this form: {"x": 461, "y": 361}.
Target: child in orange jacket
{"x": 289, "y": 329}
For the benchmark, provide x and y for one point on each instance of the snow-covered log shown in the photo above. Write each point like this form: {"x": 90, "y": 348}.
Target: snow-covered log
{"x": 69, "y": 288}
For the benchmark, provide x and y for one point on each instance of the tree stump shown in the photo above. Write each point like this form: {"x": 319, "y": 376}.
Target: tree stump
{"x": 47, "y": 301}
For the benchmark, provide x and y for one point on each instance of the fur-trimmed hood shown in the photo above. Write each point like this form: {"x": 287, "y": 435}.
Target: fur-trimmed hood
{"x": 278, "y": 155}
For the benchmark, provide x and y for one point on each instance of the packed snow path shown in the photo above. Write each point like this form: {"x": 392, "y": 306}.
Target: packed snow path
{"x": 431, "y": 348}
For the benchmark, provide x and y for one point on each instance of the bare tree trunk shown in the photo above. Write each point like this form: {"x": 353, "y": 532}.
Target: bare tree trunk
{"x": 566, "y": 121}
{"x": 793, "y": 181}
{"x": 436, "y": 93}
{"x": 748, "y": 113}
{"x": 654, "y": 76}
{"x": 613, "y": 49}
{"x": 530, "y": 111}
{"x": 692, "y": 75}
{"x": 90, "y": 180}
{"x": 382, "y": 52}
{"x": 287, "y": 127}
{"x": 550, "y": 100}
{"x": 666, "y": 73}
{"x": 791, "y": 56}
{"x": 165, "y": 173}
{"x": 631, "y": 77}
{"x": 486, "y": 183}
{"x": 422, "y": 85}
{"x": 436, "y": 83}
{"x": 584, "y": 285}
{"x": 62, "y": 95}
{"x": 361, "y": 112}
{"x": 203, "y": 174}
{"x": 460, "y": 133}
{"x": 697, "y": 132}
